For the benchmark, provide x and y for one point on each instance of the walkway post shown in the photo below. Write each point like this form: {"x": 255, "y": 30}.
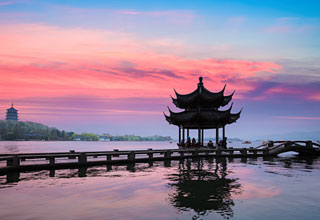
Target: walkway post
{"x": 167, "y": 154}
{"x": 202, "y": 137}
{"x": 15, "y": 161}
{"x": 224, "y": 132}
{"x": 244, "y": 152}
{"x": 217, "y": 136}
{"x": 82, "y": 159}
{"x": 179, "y": 135}
{"x": 195, "y": 153}
{"x": 51, "y": 160}
{"x": 131, "y": 155}
{"x": 231, "y": 151}
{"x": 288, "y": 144}
{"x": 270, "y": 144}
{"x": 150, "y": 153}
{"x": 183, "y": 139}
{"x": 309, "y": 144}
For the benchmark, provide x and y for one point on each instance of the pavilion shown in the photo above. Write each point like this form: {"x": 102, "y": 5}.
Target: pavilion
{"x": 201, "y": 111}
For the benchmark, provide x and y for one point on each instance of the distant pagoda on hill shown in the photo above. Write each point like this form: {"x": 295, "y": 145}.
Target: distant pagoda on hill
{"x": 201, "y": 111}
{"x": 12, "y": 114}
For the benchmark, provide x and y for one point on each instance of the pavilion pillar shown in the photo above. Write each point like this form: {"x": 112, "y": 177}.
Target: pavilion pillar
{"x": 217, "y": 136}
{"x": 224, "y": 132}
{"x": 199, "y": 137}
{"x": 183, "y": 138}
{"x": 188, "y": 132}
{"x": 202, "y": 136}
{"x": 179, "y": 135}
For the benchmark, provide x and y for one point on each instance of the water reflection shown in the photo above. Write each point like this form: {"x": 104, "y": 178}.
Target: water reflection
{"x": 11, "y": 148}
{"x": 98, "y": 171}
{"x": 288, "y": 166}
{"x": 13, "y": 177}
{"x": 192, "y": 171}
{"x": 203, "y": 188}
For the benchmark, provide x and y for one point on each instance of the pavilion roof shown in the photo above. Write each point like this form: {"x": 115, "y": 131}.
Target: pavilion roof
{"x": 206, "y": 119}
{"x": 201, "y": 98}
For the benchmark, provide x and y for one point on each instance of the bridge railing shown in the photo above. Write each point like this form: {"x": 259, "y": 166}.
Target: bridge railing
{"x": 302, "y": 147}
{"x": 271, "y": 144}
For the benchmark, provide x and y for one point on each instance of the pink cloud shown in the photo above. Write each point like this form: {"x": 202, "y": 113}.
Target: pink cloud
{"x": 315, "y": 97}
{"x": 39, "y": 60}
{"x": 303, "y": 91}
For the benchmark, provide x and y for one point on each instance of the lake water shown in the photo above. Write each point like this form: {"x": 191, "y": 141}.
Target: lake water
{"x": 285, "y": 187}
{"x": 80, "y": 146}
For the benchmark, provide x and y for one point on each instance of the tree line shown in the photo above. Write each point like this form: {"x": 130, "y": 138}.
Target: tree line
{"x": 19, "y": 130}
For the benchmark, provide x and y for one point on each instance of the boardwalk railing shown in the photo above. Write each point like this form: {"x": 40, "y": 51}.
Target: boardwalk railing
{"x": 34, "y": 161}
{"x": 31, "y": 161}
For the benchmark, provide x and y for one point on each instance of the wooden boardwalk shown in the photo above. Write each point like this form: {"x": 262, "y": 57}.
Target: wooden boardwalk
{"x": 39, "y": 161}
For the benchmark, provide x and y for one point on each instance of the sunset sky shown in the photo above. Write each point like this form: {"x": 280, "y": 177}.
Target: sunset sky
{"x": 111, "y": 66}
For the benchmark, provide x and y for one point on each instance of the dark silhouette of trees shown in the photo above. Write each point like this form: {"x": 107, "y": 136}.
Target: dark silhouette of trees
{"x": 16, "y": 130}
{"x": 19, "y": 130}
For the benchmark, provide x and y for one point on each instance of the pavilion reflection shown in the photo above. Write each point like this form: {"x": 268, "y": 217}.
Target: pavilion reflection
{"x": 204, "y": 187}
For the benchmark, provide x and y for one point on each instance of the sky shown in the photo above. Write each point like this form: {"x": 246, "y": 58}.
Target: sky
{"x": 111, "y": 66}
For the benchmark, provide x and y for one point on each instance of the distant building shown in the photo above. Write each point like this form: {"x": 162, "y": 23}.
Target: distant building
{"x": 77, "y": 138}
{"x": 12, "y": 114}
{"x": 103, "y": 138}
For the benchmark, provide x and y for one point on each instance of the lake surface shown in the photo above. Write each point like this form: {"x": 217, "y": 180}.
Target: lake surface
{"x": 285, "y": 187}
{"x": 80, "y": 146}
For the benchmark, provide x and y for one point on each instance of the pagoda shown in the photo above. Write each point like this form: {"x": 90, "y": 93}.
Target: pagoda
{"x": 201, "y": 111}
{"x": 12, "y": 114}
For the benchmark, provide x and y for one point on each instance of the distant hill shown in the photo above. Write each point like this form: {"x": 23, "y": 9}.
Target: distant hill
{"x": 132, "y": 137}
{"x": 19, "y": 130}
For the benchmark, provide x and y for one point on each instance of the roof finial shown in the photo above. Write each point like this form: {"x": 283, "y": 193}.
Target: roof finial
{"x": 12, "y": 104}
{"x": 200, "y": 84}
